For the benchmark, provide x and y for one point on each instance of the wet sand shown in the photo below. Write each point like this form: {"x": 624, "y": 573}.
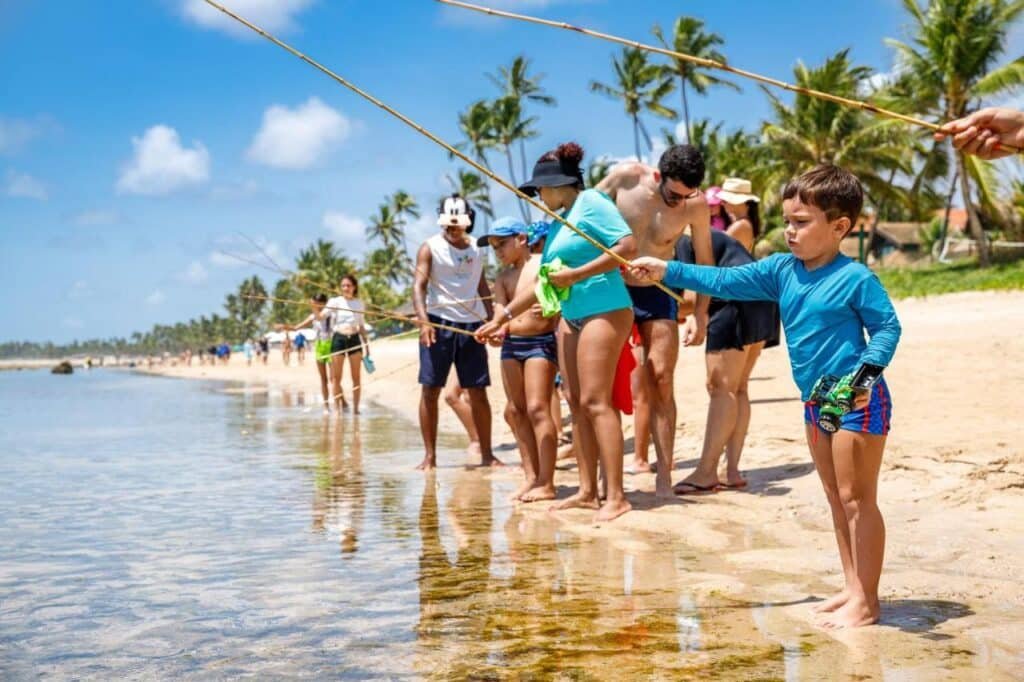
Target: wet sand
{"x": 952, "y": 489}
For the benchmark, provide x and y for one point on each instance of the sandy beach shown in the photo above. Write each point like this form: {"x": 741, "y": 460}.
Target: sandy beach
{"x": 952, "y": 485}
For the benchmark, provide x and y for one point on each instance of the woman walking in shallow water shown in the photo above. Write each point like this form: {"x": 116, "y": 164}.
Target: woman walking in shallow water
{"x": 596, "y": 318}
{"x": 348, "y": 340}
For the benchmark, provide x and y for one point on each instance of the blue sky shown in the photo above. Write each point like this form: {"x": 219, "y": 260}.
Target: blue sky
{"x": 139, "y": 137}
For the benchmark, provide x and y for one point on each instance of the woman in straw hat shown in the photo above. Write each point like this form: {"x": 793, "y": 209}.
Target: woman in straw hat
{"x": 741, "y": 205}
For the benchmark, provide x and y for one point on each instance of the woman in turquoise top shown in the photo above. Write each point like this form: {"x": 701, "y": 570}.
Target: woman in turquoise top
{"x": 596, "y": 318}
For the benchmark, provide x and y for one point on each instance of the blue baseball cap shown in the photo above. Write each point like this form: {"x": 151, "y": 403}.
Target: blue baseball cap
{"x": 536, "y": 231}
{"x": 503, "y": 227}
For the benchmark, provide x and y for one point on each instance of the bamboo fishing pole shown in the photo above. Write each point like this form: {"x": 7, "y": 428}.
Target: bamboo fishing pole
{"x": 437, "y": 140}
{"x": 713, "y": 64}
{"x": 393, "y": 316}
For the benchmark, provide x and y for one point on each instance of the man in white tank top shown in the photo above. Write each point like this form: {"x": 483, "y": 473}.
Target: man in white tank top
{"x": 450, "y": 289}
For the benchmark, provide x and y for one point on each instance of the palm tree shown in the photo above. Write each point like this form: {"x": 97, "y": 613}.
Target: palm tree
{"x": 389, "y": 264}
{"x": 383, "y": 226}
{"x": 514, "y": 81}
{"x": 474, "y": 189}
{"x": 597, "y": 170}
{"x": 477, "y": 127}
{"x": 320, "y": 268}
{"x": 641, "y": 86}
{"x": 813, "y": 131}
{"x": 951, "y": 59}
{"x": 688, "y": 37}
{"x": 510, "y": 127}
{"x": 403, "y": 205}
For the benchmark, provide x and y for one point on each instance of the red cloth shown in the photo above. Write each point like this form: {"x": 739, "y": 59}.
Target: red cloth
{"x": 622, "y": 389}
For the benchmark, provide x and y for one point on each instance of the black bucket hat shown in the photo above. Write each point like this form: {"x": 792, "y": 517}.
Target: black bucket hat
{"x": 551, "y": 174}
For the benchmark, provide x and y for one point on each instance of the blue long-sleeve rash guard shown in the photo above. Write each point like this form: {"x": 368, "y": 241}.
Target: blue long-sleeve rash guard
{"x": 824, "y": 311}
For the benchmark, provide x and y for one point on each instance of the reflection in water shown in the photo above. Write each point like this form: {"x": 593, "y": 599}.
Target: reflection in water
{"x": 142, "y": 549}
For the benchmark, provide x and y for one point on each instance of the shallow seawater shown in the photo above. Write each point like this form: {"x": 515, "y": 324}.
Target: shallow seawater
{"x": 157, "y": 528}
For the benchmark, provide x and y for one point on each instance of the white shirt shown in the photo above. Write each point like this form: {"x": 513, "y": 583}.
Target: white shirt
{"x": 345, "y": 321}
{"x": 454, "y": 281}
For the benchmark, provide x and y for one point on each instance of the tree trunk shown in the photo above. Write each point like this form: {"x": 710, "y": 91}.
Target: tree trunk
{"x": 972, "y": 215}
{"x": 945, "y": 219}
{"x": 874, "y": 223}
{"x": 686, "y": 110}
{"x": 522, "y": 157}
{"x": 636, "y": 136}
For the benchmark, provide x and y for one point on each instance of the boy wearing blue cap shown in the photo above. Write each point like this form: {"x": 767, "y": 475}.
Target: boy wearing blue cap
{"x": 529, "y": 358}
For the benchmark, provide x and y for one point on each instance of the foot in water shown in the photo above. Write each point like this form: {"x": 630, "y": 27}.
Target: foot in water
{"x": 577, "y": 501}
{"x": 491, "y": 461}
{"x": 832, "y": 603}
{"x": 612, "y": 509}
{"x": 521, "y": 490}
{"x": 855, "y": 613}
{"x": 427, "y": 464}
{"x": 539, "y": 493}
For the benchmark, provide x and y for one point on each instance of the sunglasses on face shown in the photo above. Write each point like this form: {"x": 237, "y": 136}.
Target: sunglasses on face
{"x": 671, "y": 197}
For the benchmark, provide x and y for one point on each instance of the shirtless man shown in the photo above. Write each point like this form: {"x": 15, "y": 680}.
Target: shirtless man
{"x": 659, "y": 204}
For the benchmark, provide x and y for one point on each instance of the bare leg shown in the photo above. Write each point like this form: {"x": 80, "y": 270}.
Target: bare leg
{"x": 600, "y": 345}
{"x": 481, "y": 408}
{"x": 583, "y": 441}
{"x": 515, "y": 413}
{"x": 337, "y": 370}
{"x": 428, "y": 425}
{"x": 734, "y": 448}
{"x": 661, "y": 344}
{"x": 325, "y": 391}
{"x": 724, "y": 369}
{"x": 453, "y": 396}
{"x": 539, "y": 375}
{"x": 641, "y": 417}
{"x": 820, "y": 444}
{"x": 355, "y": 365}
{"x": 858, "y": 459}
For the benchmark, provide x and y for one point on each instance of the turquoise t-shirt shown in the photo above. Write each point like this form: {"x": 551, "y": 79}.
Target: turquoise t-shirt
{"x": 596, "y": 215}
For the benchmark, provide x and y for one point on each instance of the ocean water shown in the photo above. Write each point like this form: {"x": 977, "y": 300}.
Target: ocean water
{"x": 153, "y": 528}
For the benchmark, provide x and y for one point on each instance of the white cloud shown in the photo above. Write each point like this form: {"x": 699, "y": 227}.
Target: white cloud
{"x": 276, "y": 16}
{"x": 15, "y": 133}
{"x": 298, "y": 138}
{"x": 161, "y": 165}
{"x": 95, "y": 217}
{"x": 156, "y": 298}
{"x": 346, "y": 227}
{"x": 195, "y": 273}
{"x": 79, "y": 290}
{"x": 24, "y": 185}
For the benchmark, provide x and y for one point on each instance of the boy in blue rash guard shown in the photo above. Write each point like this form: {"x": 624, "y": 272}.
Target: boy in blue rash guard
{"x": 826, "y": 301}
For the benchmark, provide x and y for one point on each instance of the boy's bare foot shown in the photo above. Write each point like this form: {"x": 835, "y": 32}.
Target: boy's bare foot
{"x": 427, "y": 464}
{"x": 855, "y": 613}
{"x": 612, "y": 509}
{"x": 588, "y": 500}
{"x": 832, "y": 603}
{"x": 640, "y": 466}
{"x": 491, "y": 461}
{"x": 539, "y": 493}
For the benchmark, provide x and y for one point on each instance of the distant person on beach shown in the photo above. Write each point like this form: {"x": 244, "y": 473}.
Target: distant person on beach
{"x": 449, "y": 289}
{"x": 348, "y": 340}
{"x": 247, "y": 349}
{"x": 982, "y": 132}
{"x": 529, "y": 359}
{"x": 827, "y": 302}
{"x": 597, "y": 316}
{"x": 223, "y": 353}
{"x": 264, "y": 345}
{"x": 658, "y": 204}
{"x": 300, "y": 347}
{"x": 323, "y": 327}
{"x": 286, "y": 349}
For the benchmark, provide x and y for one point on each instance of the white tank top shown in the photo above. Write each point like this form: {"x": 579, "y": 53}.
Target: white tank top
{"x": 454, "y": 276}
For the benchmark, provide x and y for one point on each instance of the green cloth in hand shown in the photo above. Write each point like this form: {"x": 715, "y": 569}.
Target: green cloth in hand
{"x": 549, "y": 296}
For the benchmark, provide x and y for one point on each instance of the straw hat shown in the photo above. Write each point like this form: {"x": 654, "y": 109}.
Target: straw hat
{"x": 736, "y": 191}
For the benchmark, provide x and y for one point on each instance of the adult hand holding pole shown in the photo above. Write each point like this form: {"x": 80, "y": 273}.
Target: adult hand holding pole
{"x": 990, "y": 133}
